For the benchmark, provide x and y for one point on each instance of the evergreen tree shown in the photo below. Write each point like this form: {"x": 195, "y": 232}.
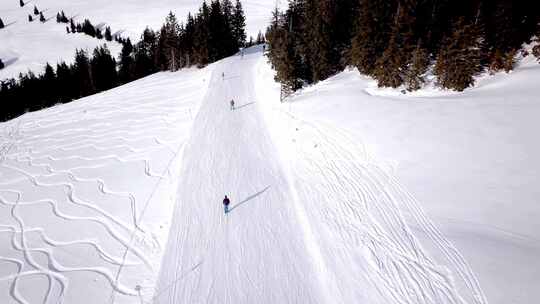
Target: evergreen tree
{"x": 371, "y": 36}
{"x": 260, "y": 38}
{"x": 201, "y": 36}
{"x": 30, "y": 19}
{"x": 83, "y": 74}
{"x": 417, "y": 67}
{"x": 67, "y": 30}
{"x": 144, "y": 54}
{"x": 188, "y": 41}
{"x": 36, "y": 11}
{"x": 99, "y": 35}
{"x": 72, "y": 26}
{"x": 103, "y": 68}
{"x": 126, "y": 71}
{"x": 2, "y": 65}
{"x": 21, "y": 3}
{"x": 65, "y": 82}
{"x": 220, "y": 41}
{"x": 390, "y": 66}
{"x": 459, "y": 60}
{"x": 1, "y": 24}
{"x": 48, "y": 85}
{"x": 108, "y": 35}
{"x": 169, "y": 48}
{"x": 41, "y": 17}
{"x": 239, "y": 25}
{"x": 88, "y": 28}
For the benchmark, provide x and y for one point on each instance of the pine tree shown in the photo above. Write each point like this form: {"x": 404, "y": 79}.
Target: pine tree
{"x": 99, "y": 35}
{"x": 459, "y": 59}
{"x": 65, "y": 82}
{"x": 41, "y": 17}
{"x": 145, "y": 51}
{"x": 36, "y": 11}
{"x": 260, "y": 38}
{"x": 417, "y": 67}
{"x": 83, "y": 74}
{"x": 126, "y": 71}
{"x": 72, "y": 26}
{"x": 21, "y": 3}
{"x": 169, "y": 48}
{"x": 88, "y": 28}
{"x": 67, "y": 30}
{"x": 370, "y": 38}
{"x": 108, "y": 35}
{"x": 188, "y": 41}
{"x": 2, "y": 65}
{"x": 58, "y": 18}
{"x": 30, "y": 19}
{"x": 48, "y": 84}
{"x": 390, "y": 66}
{"x": 201, "y": 36}
{"x": 239, "y": 25}
{"x": 103, "y": 68}
{"x": 2, "y": 24}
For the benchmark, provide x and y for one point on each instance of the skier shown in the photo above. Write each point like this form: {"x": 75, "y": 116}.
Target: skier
{"x": 226, "y": 203}
{"x": 232, "y": 104}
{"x": 223, "y": 75}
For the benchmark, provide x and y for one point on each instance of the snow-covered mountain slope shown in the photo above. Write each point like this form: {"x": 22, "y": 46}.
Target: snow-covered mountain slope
{"x": 86, "y": 191}
{"x": 469, "y": 160}
{"x": 25, "y": 45}
{"x": 338, "y": 195}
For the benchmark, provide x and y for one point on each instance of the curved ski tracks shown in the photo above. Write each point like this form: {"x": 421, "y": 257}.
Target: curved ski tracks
{"x": 364, "y": 204}
{"x": 66, "y": 150}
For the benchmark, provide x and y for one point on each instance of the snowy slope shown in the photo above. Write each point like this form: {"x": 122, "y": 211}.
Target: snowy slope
{"x": 86, "y": 191}
{"x": 339, "y": 195}
{"x": 25, "y": 45}
{"x": 468, "y": 159}
{"x": 316, "y": 218}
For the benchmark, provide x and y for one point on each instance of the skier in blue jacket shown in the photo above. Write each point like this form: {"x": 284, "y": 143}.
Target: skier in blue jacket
{"x": 226, "y": 203}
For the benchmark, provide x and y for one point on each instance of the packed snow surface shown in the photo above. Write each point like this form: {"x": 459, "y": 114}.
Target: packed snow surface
{"x": 343, "y": 193}
{"x": 28, "y": 46}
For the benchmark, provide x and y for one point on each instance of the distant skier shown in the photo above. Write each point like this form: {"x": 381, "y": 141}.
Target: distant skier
{"x": 223, "y": 75}
{"x": 232, "y": 104}
{"x": 226, "y": 203}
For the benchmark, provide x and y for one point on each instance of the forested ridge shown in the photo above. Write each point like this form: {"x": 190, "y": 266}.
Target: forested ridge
{"x": 216, "y": 31}
{"x": 397, "y": 41}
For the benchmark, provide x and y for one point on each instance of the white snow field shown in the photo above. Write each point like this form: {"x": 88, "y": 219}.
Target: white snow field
{"x": 86, "y": 191}
{"x": 28, "y": 46}
{"x": 338, "y": 195}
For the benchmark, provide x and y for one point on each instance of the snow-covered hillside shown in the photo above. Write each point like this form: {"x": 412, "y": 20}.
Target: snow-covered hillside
{"x": 469, "y": 160}
{"x": 338, "y": 195}
{"x": 86, "y": 191}
{"x": 25, "y": 45}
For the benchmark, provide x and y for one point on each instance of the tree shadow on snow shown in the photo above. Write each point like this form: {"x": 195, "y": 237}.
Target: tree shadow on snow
{"x": 247, "y": 199}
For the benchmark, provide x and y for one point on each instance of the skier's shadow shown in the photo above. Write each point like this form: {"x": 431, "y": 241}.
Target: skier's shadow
{"x": 244, "y": 105}
{"x": 247, "y": 199}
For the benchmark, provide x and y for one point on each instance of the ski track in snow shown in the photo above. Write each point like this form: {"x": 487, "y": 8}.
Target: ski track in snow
{"x": 345, "y": 221}
{"x": 62, "y": 161}
{"x": 358, "y": 200}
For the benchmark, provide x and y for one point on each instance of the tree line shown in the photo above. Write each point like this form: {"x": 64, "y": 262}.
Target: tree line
{"x": 397, "y": 41}
{"x": 216, "y": 31}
